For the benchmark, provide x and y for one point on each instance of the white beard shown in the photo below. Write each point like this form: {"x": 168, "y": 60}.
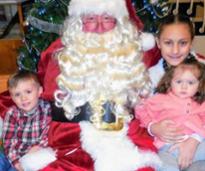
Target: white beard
{"x": 101, "y": 66}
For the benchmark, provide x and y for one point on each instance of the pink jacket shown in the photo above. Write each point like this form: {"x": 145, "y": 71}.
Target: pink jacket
{"x": 186, "y": 113}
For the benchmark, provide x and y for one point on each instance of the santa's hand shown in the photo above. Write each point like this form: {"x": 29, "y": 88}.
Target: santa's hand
{"x": 167, "y": 131}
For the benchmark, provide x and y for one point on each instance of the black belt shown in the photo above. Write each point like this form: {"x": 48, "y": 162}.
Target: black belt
{"x": 85, "y": 113}
{"x": 58, "y": 114}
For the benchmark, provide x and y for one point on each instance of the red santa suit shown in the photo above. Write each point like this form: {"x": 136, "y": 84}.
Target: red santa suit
{"x": 65, "y": 136}
{"x": 79, "y": 145}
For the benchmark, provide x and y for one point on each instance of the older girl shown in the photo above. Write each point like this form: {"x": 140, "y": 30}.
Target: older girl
{"x": 174, "y": 39}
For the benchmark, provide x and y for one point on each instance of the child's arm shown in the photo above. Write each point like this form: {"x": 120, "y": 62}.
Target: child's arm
{"x": 44, "y": 135}
{"x": 18, "y": 166}
{"x": 187, "y": 150}
{"x": 34, "y": 149}
{"x": 167, "y": 131}
{"x": 10, "y": 140}
{"x": 142, "y": 113}
{"x": 45, "y": 125}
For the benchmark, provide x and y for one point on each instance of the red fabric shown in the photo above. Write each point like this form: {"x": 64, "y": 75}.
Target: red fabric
{"x": 5, "y": 102}
{"x": 64, "y": 137}
{"x": 48, "y": 69}
{"x": 140, "y": 136}
{"x": 151, "y": 57}
{"x": 132, "y": 15}
{"x": 146, "y": 169}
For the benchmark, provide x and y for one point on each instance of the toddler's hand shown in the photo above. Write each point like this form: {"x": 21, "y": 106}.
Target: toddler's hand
{"x": 18, "y": 167}
{"x": 34, "y": 149}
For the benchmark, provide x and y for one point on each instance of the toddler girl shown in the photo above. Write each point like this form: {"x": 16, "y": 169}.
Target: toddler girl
{"x": 180, "y": 96}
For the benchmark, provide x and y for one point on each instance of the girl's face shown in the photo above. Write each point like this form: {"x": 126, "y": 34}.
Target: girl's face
{"x": 26, "y": 94}
{"x": 175, "y": 43}
{"x": 184, "y": 83}
{"x": 98, "y": 23}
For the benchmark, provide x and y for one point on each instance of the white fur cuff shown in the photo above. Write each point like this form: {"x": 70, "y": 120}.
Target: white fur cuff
{"x": 37, "y": 160}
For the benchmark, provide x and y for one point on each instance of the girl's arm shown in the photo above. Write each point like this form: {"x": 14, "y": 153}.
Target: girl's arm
{"x": 150, "y": 116}
{"x": 141, "y": 113}
{"x": 167, "y": 131}
{"x": 149, "y": 113}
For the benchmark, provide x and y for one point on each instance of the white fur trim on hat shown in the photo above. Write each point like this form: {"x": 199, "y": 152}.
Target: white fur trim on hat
{"x": 147, "y": 41}
{"x": 116, "y": 8}
{"x": 37, "y": 160}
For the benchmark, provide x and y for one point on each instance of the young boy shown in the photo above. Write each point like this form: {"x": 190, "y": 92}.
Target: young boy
{"x": 26, "y": 124}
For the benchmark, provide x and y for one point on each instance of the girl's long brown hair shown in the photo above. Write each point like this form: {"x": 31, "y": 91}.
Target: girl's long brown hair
{"x": 176, "y": 19}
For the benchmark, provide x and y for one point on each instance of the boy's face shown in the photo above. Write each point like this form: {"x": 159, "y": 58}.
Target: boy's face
{"x": 26, "y": 94}
{"x": 184, "y": 84}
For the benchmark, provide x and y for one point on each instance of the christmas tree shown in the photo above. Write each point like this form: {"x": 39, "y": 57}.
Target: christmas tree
{"x": 43, "y": 25}
{"x": 151, "y": 12}
{"x": 45, "y": 18}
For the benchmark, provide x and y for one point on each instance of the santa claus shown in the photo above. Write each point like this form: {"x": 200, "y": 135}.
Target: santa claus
{"x": 93, "y": 76}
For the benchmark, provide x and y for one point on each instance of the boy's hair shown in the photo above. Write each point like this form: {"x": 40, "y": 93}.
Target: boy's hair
{"x": 165, "y": 82}
{"x": 22, "y": 76}
{"x": 176, "y": 19}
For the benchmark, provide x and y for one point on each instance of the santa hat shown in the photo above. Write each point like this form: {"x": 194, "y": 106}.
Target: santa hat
{"x": 116, "y": 8}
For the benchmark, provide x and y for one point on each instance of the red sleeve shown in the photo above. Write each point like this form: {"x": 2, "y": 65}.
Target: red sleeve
{"x": 48, "y": 70}
{"x": 140, "y": 136}
{"x": 151, "y": 57}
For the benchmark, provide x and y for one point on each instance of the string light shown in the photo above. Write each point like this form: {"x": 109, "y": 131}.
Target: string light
{"x": 189, "y": 11}
{"x": 152, "y": 7}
